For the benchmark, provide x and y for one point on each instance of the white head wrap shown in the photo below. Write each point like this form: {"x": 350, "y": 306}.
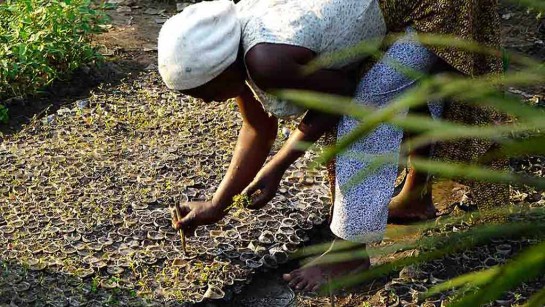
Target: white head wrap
{"x": 198, "y": 44}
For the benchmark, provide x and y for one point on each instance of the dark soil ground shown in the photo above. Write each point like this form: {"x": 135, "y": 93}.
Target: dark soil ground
{"x": 129, "y": 77}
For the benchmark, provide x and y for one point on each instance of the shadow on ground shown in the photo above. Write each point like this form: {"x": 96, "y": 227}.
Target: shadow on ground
{"x": 20, "y": 285}
{"x": 76, "y": 86}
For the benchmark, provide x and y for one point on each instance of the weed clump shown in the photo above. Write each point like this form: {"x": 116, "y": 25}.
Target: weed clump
{"x": 240, "y": 204}
{"x": 240, "y": 201}
{"x": 43, "y": 40}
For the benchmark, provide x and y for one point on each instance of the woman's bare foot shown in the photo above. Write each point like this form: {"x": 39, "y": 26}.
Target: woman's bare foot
{"x": 406, "y": 208}
{"x": 317, "y": 273}
{"x": 414, "y": 203}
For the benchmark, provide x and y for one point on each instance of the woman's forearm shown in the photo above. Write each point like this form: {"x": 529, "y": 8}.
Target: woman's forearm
{"x": 271, "y": 71}
{"x": 254, "y": 143}
{"x": 311, "y": 128}
{"x": 315, "y": 123}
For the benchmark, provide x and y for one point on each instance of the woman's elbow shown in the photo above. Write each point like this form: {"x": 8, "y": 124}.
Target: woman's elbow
{"x": 265, "y": 129}
{"x": 270, "y": 129}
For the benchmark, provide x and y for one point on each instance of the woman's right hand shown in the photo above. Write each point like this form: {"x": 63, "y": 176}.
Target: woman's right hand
{"x": 190, "y": 215}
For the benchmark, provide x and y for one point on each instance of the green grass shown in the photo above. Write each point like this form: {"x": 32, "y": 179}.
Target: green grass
{"x": 43, "y": 40}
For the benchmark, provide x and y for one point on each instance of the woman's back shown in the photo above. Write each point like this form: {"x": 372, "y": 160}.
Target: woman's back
{"x": 321, "y": 26}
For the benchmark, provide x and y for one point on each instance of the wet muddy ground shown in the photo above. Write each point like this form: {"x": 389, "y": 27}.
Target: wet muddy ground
{"x": 85, "y": 187}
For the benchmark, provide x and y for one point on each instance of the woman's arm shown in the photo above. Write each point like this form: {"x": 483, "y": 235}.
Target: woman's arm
{"x": 311, "y": 128}
{"x": 268, "y": 179}
{"x": 274, "y": 66}
{"x": 280, "y": 67}
{"x": 254, "y": 143}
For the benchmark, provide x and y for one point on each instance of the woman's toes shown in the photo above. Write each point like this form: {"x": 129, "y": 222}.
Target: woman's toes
{"x": 296, "y": 280}
{"x": 302, "y": 284}
{"x": 293, "y": 274}
{"x": 311, "y": 286}
{"x": 315, "y": 288}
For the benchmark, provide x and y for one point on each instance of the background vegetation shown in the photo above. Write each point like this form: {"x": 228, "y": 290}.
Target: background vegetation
{"x": 43, "y": 40}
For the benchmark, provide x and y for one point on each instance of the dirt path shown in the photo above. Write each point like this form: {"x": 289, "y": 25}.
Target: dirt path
{"x": 129, "y": 46}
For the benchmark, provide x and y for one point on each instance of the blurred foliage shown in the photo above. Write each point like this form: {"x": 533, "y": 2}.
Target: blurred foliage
{"x": 536, "y": 7}
{"x": 520, "y": 137}
{"x": 42, "y": 40}
{"x": 3, "y": 114}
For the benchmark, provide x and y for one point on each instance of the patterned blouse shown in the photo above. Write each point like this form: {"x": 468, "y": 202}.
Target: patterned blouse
{"x": 322, "y": 26}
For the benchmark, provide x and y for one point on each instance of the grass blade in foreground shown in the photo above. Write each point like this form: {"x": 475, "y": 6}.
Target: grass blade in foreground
{"x": 412, "y": 231}
{"x": 371, "y": 48}
{"x": 528, "y": 265}
{"x": 447, "y": 170}
{"x": 432, "y": 89}
{"x": 456, "y": 170}
{"x": 456, "y": 242}
{"x": 474, "y": 279}
{"x": 538, "y": 300}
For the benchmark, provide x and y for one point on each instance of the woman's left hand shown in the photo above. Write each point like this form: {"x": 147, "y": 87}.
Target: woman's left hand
{"x": 264, "y": 186}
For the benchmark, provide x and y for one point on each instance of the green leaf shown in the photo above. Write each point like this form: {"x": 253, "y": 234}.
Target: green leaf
{"x": 366, "y": 48}
{"x": 537, "y": 300}
{"x": 371, "y": 47}
{"x": 4, "y": 116}
{"x": 448, "y": 170}
{"x": 536, "y": 4}
{"x": 434, "y": 89}
{"x": 474, "y": 279}
{"x": 529, "y": 264}
{"x": 474, "y": 172}
{"x": 442, "y": 246}
{"x": 532, "y": 145}
{"x": 45, "y": 39}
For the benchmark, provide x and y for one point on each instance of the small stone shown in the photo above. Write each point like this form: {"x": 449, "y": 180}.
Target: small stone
{"x": 123, "y": 9}
{"x": 82, "y": 104}
{"x": 160, "y": 20}
{"x": 534, "y": 197}
{"x": 64, "y": 111}
{"x": 107, "y": 52}
{"x": 410, "y": 272}
{"x": 214, "y": 293}
{"x": 151, "y": 67}
{"x": 286, "y": 132}
{"x": 85, "y": 69}
{"x": 149, "y": 48}
{"x": 50, "y": 119}
{"x": 507, "y": 16}
{"x": 181, "y": 6}
{"x": 150, "y": 11}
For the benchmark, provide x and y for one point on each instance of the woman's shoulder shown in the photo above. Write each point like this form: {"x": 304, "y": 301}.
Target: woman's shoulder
{"x": 321, "y": 26}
